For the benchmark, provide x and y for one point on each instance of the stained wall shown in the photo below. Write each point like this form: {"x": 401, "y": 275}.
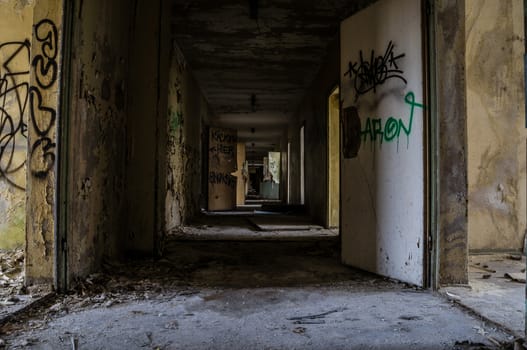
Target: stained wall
{"x": 15, "y": 43}
{"x": 187, "y": 111}
{"x": 99, "y": 90}
{"x": 495, "y": 124}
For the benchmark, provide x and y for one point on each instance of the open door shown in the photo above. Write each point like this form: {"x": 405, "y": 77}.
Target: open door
{"x": 383, "y": 146}
{"x": 222, "y": 163}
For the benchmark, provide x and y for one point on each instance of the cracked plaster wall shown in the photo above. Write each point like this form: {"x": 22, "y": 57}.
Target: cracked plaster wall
{"x": 15, "y": 43}
{"x": 187, "y": 111}
{"x": 496, "y": 124}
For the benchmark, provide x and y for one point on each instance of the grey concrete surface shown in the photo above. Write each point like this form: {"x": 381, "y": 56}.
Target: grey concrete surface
{"x": 491, "y": 294}
{"x": 249, "y": 295}
{"x": 251, "y": 225}
{"x": 269, "y": 318}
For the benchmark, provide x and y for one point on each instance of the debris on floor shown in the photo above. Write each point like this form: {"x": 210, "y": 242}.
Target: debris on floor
{"x": 11, "y": 274}
{"x": 247, "y": 295}
{"x": 516, "y": 276}
{"x": 497, "y": 289}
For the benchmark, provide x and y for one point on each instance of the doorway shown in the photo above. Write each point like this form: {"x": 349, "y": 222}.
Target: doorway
{"x": 333, "y": 158}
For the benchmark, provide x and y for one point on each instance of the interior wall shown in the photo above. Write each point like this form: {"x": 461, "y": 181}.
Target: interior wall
{"x": 15, "y": 42}
{"x": 496, "y": 124}
{"x": 44, "y": 111}
{"x": 313, "y": 114}
{"x": 97, "y": 133}
{"x": 187, "y": 110}
{"x": 146, "y": 125}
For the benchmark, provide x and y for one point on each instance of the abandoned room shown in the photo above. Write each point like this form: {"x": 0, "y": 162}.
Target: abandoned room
{"x": 262, "y": 174}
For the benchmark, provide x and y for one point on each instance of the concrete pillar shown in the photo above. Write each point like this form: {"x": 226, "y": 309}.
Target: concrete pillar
{"x": 45, "y": 78}
{"x": 451, "y": 114}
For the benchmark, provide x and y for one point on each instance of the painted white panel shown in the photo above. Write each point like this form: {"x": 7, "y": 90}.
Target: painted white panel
{"x": 383, "y": 184}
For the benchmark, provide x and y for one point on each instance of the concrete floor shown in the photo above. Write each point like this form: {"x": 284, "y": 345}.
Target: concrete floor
{"x": 493, "y": 295}
{"x": 249, "y": 295}
{"x": 253, "y": 223}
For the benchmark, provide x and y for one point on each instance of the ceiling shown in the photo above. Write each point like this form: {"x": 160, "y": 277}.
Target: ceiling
{"x": 254, "y": 71}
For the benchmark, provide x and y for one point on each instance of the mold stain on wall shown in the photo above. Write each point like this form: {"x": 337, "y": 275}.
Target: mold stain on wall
{"x": 496, "y": 132}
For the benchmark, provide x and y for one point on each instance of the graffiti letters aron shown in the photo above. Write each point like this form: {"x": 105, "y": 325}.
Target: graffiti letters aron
{"x": 366, "y": 75}
{"x": 45, "y": 67}
{"x": 390, "y": 129}
{"x": 14, "y": 91}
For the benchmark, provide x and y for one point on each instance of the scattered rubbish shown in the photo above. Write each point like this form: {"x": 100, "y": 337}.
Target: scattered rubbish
{"x": 310, "y": 322}
{"x": 299, "y": 330}
{"x": 471, "y": 345}
{"x": 453, "y": 296}
{"x": 410, "y": 318}
{"x": 480, "y": 330}
{"x": 516, "y": 277}
{"x": 138, "y": 312}
{"x": 486, "y": 276}
{"x": 172, "y": 325}
{"x": 493, "y": 341}
{"x": 483, "y": 268}
{"x": 316, "y": 316}
{"x": 74, "y": 343}
{"x": 515, "y": 256}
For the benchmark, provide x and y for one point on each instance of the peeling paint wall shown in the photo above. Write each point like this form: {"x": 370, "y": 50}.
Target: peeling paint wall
{"x": 313, "y": 112}
{"x": 97, "y": 133}
{"x": 45, "y": 81}
{"x": 187, "y": 110}
{"x": 496, "y": 124}
{"x": 15, "y": 42}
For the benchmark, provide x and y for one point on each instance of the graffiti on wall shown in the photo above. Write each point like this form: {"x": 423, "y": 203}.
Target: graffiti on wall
{"x": 367, "y": 74}
{"x": 14, "y": 92}
{"x": 42, "y": 117}
{"x": 222, "y": 146}
{"x": 391, "y": 129}
{"x": 219, "y": 178}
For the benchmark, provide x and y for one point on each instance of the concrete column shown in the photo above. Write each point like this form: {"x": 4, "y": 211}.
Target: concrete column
{"x": 451, "y": 114}
{"x": 45, "y": 78}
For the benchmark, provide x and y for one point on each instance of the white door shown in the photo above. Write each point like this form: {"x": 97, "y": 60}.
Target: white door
{"x": 383, "y": 149}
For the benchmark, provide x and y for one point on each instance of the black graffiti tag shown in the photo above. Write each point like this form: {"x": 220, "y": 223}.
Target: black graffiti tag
{"x": 42, "y": 156}
{"x": 222, "y": 178}
{"x": 42, "y": 152}
{"x": 14, "y": 73}
{"x": 45, "y": 65}
{"x": 367, "y": 75}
